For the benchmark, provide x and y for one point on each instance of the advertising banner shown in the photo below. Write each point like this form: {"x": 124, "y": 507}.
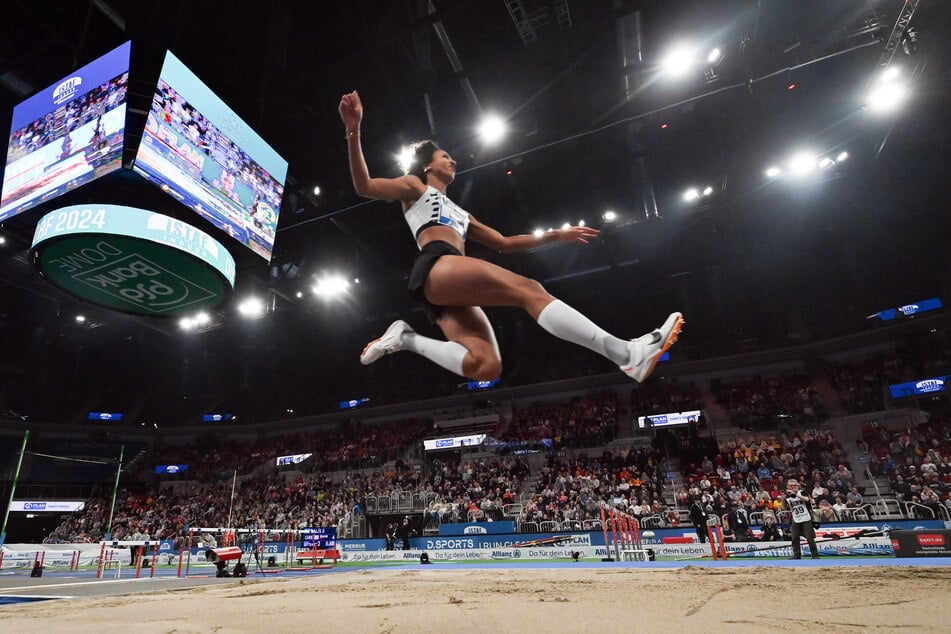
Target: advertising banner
{"x": 922, "y": 543}
{"x": 478, "y": 528}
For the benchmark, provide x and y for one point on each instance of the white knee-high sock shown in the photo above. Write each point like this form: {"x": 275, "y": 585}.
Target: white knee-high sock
{"x": 566, "y": 323}
{"x": 445, "y": 354}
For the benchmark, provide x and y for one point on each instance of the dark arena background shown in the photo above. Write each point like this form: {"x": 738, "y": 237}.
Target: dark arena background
{"x": 776, "y": 171}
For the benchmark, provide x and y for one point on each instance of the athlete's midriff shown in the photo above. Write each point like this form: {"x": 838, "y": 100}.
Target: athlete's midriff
{"x": 446, "y": 234}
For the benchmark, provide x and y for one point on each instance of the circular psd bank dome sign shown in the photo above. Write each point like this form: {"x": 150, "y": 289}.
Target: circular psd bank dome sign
{"x": 132, "y": 260}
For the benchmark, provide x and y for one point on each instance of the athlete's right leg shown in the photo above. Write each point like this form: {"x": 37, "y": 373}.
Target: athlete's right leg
{"x": 472, "y": 350}
{"x": 470, "y": 328}
{"x": 465, "y": 281}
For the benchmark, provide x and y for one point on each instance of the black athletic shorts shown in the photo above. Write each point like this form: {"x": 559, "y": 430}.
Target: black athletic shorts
{"x": 421, "y": 267}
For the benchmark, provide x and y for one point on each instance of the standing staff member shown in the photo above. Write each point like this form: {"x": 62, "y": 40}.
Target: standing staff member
{"x": 453, "y": 287}
{"x": 800, "y": 505}
{"x": 698, "y": 517}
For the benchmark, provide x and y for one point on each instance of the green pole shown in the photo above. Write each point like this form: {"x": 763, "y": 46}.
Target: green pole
{"x": 115, "y": 489}
{"x": 13, "y": 489}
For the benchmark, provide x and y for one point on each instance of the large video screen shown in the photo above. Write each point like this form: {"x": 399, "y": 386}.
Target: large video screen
{"x": 67, "y": 134}
{"x": 200, "y": 152}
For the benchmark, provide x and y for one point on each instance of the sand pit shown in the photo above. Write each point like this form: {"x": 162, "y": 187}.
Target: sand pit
{"x": 583, "y": 599}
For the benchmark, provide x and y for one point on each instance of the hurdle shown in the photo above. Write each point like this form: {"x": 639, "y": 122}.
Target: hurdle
{"x": 715, "y": 534}
{"x": 111, "y": 561}
{"x": 44, "y": 558}
{"x": 624, "y": 537}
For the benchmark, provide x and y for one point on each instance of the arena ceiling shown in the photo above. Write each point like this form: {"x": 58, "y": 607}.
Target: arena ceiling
{"x": 595, "y": 123}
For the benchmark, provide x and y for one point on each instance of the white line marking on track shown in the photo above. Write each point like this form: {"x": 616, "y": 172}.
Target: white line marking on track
{"x": 84, "y": 583}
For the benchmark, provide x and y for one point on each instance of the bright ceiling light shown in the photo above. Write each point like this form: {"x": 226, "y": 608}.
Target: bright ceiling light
{"x": 80, "y": 319}
{"x": 492, "y": 129}
{"x": 299, "y": 294}
{"x": 842, "y": 156}
{"x": 406, "y": 158}
{"x": 252, "y": 308}
{"x": 609, "y": 216}
{"x": 714, "y": 56}
{"x": 802, "y": 163}
{"x": 691, "y": 194}
{"x": 316, "y": 190}
{"x": 331, "y": 286}
{"x": 773, "y": 172}
{"x": 889, "y": 74}
{"x": 886, "y": 96}
{"x": 707, "y": 191}
{"x": 678, "y": 62}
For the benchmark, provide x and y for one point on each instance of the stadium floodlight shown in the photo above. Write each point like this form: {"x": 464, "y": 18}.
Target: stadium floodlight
{"x": 251, "y": 307}
{"x": 186, "y": 323}
{"x": 406, "y": 158}
{"x": 202, "y": 319}
{"x": 826, "y": 162}
{"x": 538, "y": 233}
{"x": 581, "y": 223}
{"x": 331, "y": 286}
{"x": 678, "y": 61}
{"x": 691, "y": 194}
{"x": 773, "y": 172}
{"x": 80, "y": 319}
{"x": 566, "y": 226}
{"x": 609, "y": 216}
{"x": 887, "y": 92}
{"x": 909, "y": 41}
{"x": 316, "y": 190}
{"x": 889, "y": 74}
{"x": 802, "y": 163}
{"x": 707, "y": 191}
{"x": 714, "y": 56}
{"x": 842, "y": 156}
{"x": 299, "y": 294}
{"x": 886, "y": 97}
{"x": 492, "y": 129}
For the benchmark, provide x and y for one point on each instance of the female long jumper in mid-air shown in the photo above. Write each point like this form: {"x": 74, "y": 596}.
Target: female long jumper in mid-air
{"x": 454, "y": 287}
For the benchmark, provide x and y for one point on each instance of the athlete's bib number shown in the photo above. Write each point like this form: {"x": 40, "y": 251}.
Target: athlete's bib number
{"x": 801, "y": 514}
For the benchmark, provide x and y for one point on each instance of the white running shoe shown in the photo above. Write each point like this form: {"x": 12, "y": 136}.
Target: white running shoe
{"x": 647, "y": 349}
{"x": 390, "y": 342}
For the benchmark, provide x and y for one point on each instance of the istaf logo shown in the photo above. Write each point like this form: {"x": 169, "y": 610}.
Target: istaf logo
{"x": 930, "y": 385}
{"x": 66, "y": 89}
{"x": 931, "y": 539}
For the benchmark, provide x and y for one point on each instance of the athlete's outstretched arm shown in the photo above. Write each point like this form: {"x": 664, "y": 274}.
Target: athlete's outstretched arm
{"x": 484, "y": 234}
{"x": 405, "y": 188}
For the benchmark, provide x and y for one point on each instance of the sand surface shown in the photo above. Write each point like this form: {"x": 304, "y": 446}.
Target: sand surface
{"x": 693, "y": 599}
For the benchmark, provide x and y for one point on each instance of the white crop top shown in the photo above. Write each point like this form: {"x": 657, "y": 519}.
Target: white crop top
{"x": 435, "y": 208}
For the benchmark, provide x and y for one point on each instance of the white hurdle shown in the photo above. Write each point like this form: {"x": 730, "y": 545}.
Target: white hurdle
{"x": 113, "y": 563}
